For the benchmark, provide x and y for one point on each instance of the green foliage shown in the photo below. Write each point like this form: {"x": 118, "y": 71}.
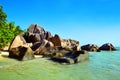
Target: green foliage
{"x": 8, "y": 30}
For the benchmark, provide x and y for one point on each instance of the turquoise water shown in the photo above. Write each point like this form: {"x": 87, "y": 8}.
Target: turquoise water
{"x": 104, "y": 65}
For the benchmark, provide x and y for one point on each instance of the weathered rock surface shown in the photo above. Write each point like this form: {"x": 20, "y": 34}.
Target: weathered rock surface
{"x": 90, "y": 47}
{"x": 17, "y": 41}
{"x": 21, "y": 53}
{"x": 37, "y": 34}
{"x": 40, "y": 47}
{"x": 70, "y": 44}
{"x": 65, "y": 43}
{"x": 55, "y": 40}
{"x": 107, "y": 47}
{"x": 20, "y": 50}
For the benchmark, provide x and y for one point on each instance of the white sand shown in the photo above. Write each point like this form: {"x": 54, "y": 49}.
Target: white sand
{"x": 4, "y": 53}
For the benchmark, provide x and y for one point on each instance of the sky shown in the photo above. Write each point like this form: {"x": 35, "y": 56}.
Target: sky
{"x": 88, "y": 21}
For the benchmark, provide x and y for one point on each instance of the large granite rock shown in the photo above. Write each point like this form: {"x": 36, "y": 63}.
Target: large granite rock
{"x": 20, "y": 50}
{"x": 40, "y": 47}
{"x": 70, "y": 44}
{"x": 37, "y": 34}
{"x": 21, "y": 53}
{"x": 17, "y": 41}
{"x": 65, "y": 43}
{"x": 107, "y": 47}
{"x": 37, "y": 41}
{"x": 55, "y": 40}
{"x": 90, "y": 47}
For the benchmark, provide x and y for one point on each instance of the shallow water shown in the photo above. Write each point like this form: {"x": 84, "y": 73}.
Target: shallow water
{"x": 104, "y": 65}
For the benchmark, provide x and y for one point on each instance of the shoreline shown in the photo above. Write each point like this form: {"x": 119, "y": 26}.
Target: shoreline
{"x": 5, "y": 54}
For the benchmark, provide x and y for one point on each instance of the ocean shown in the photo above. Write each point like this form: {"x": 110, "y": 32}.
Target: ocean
{"x": 104, "y": 65}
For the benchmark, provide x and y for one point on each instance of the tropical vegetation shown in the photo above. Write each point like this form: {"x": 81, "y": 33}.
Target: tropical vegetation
{"x": 8, "y": 30}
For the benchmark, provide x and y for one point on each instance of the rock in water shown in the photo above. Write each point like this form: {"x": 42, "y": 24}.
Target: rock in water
{"x": 21, "y": 53}
{"x": 80, "y": 56}
{"x": 72, "y": 57}
{"x": 63, "y": 60}
{"x": 40, "y": 42}
{"x": 90, "y": 47}
{"x": 29, "y": 54}
{"x": 107, "y": 47}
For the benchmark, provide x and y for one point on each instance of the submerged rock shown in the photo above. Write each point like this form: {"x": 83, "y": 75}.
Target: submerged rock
{"x": 107, "y": 47}
{"x": 90, "y": 47}
{"x": 72, "y": 57}
{"x": 80, "y": 56}
{"x": 63, "y": 60}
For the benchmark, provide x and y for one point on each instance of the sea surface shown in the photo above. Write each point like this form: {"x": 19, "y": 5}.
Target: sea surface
{"x": 104, "y": 65}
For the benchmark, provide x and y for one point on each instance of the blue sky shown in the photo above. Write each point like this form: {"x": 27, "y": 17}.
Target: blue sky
{"x": 88, "y": 21}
